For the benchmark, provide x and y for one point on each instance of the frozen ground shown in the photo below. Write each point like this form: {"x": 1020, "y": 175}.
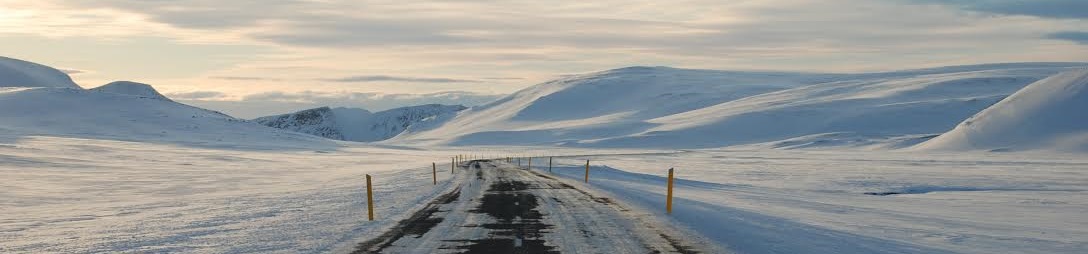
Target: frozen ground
{"x": 78, "y": 196}
{"x": 65, "y": 195}
{"x": 762, "y": 201}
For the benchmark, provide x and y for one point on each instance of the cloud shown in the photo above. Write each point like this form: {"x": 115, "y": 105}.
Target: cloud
{"x": 244, "y": 78}
{"x": 71, "y": 71}
{"x": 380, "y": 78}
{"x": 1058, "y": 9}
{"x": 1078, "y": 37}
{"x": 503, "y": 79}
{"x": 416, "y": 40}
{"x": 197, "y": 95}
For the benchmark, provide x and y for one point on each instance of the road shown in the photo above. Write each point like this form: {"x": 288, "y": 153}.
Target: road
{"x": 506, "y": 209}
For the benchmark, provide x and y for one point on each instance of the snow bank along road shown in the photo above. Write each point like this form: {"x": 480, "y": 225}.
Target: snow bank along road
{"x": 507, "y": 209}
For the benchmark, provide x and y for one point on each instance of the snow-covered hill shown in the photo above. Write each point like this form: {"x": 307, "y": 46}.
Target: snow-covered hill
{"x": 602, "y": 104}
{"x": 131, "y": 88}
{"x": 353, "y": 124}
{"x": 887, "y": 105}
{"x": 19, "y": 73}
{"x": 99, "y": 115}
{"x": 656, "y": 107}
{"x": 1048, "y": 114}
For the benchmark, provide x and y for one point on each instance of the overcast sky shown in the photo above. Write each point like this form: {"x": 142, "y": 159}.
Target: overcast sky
{"x": 380, "y": 54}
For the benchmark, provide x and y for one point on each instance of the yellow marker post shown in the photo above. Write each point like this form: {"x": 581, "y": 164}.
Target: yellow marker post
{"x": 369, "y": 199}
{"x": 586, "y": 171}
{"x": 668, "y": 199}
{"x": 434, "y": 172}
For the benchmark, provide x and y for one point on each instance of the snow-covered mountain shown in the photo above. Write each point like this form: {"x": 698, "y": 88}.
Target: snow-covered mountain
{"x": 19, "y": 73}
{"x": 91, "y": 114}
{"x": 657, "y": 107}
{"x": 1048, "y": 114}
{"x": 44, "y": 101}
{"x": 353, "y": 124}
{"x": 131, "y": 88}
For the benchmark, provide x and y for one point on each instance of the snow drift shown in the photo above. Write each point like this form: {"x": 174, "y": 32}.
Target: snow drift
{"x": 19, "y": 73}
{"x": 1048, "y": 114}
{"x": 353, "y": 124}
{"x": 131, "y": 88}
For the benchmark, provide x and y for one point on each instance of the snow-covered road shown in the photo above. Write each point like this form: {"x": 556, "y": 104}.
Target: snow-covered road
{"x": 507, "y": 209}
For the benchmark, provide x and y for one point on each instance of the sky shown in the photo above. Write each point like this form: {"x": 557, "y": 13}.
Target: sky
{"x": 257, "y": 57}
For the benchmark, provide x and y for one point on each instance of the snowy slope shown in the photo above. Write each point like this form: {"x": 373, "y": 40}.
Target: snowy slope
{"x": 131, "y": 88}
{"x": 19, "y": 73}
{"x": 890, "y": 105}
{"x": 602, "y": 104}
{"x": 353, "y": 124}
{"x": 91, "y": 114}
{"x": 656, "y": 107}
{"x": 1048, "y": 114}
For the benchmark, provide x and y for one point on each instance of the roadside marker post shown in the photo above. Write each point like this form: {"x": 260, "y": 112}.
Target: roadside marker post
{"x": 434, "y": 172}
{"x": 530, "y": 163}
{"x": 549, "y": 164}
{"x": 586, "y": 171}
{"x": 668, "y": 199}
{"x": 369, "y": 199}
{"x": 452, "y": 162}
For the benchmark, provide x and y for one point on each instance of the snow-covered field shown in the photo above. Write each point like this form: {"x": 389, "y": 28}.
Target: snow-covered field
{"x": 68, "y": 195}
{"x": 80, "y": 195}
{"x": 765, "y": 201}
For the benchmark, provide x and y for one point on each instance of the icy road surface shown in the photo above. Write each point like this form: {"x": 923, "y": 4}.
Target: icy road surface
{"x": 507, "y": 209}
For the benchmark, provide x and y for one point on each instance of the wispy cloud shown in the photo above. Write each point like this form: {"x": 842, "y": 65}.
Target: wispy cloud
{"x": 383, "y": 78}
{"x": 1078, "y": 37}
{"x": 426, "y": 46}
{"x": 197, "y": 95}
{"x": 71, "y": 71}
{"x": 1059, "y": 9}
{"x": 245, "y": 78}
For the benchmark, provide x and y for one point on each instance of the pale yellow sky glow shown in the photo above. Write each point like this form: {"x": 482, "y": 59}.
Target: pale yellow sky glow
{"x": 231, "y": 50}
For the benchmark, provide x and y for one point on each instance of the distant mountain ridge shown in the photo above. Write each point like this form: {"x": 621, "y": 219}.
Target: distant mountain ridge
{"x": 1007, "y": 107}
{"x": 131, "y": 88}
{"x": 353, "y": 124}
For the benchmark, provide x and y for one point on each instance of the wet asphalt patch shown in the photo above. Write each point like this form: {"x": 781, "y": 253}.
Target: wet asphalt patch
{"x": 418, "y": 224}
{"x": 518, "y": 222}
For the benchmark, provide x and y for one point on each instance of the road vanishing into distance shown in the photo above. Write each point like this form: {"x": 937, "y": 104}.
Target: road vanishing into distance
{"x": 508, "y": 209}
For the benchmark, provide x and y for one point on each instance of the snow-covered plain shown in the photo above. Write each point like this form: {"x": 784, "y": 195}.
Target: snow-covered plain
{"x": 70, "y": 195}
{"x": 773, "y": 201}
{"x": 79, "y": 195}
